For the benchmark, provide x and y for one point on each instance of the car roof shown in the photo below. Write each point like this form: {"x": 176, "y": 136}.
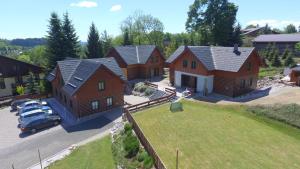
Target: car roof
{"x": 32, "y": 112}
{"x": 30, "y": 107}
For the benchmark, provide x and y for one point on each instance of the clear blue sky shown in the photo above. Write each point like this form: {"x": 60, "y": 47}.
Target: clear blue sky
{"x": 28, "y": 18}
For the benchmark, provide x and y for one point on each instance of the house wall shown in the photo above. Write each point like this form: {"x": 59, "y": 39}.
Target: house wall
{"x": 139, "y": 71}
{"x": 8, "y": 91}
{"x": 226, "y": 83}
{"x": 178, "y": 66}
{"x": 295, "y": 77}
{"x": 88, "y": 92}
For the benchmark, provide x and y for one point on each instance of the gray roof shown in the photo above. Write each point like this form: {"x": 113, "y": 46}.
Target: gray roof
{"x": 76, "y": 72}
{"x": 250, "y": 30}
{"x": 135, "y": 54}
{"x": 216, "y": 58}
{"x": 278, "y": 38}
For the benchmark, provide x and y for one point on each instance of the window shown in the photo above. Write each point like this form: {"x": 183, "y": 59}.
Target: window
{"x": 95, "y": 105}
{"x": 2, "y": 83}
{"x": 250, "y": 82}
{"x": 243, "y": 83}
{"x": 185, "y": 63}
{"x": 65, "y": 98}
{"x": 101, "y": 86}
{"x": 249, "y": 66}
{"x": 109, "y": 101}
{"x": 193, "y": 65}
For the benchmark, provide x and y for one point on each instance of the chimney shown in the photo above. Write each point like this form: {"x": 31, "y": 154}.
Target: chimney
{"x": 236, "y": 48}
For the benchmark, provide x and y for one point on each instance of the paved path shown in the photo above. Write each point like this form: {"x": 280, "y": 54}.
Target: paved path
{"x": 23, "y": 154}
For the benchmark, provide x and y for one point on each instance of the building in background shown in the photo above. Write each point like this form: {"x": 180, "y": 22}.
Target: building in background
{"x": 139, "y": 62}
{"x": 14, "y": 73}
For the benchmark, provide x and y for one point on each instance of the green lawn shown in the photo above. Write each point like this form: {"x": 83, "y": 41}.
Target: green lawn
{"x": 95, "y": 155}
{"x": 269, "y": 72}
{"x": 214, "y": 136}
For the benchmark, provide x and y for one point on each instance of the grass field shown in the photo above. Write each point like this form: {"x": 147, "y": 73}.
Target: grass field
{"x": 96, "y": 155}
{"x": 215, "y": 136}
{"x": 269, "y": 72}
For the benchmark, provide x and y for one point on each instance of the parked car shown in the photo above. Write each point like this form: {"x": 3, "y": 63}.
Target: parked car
{"x": 39, "y": 122}
{"x": 29, "y": 104}
{"x": 31, "y": 108}
{"x": 16, "y": 103}
{"x": 37, "y": 112}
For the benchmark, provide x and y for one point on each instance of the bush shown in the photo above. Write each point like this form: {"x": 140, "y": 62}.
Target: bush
{"x": 148, "y": 162}
{"x": 140, "y": 87}
{"x": 149, "y": 91}
{"x": 142, "y": 155}
{"x": 20, "y": 90}
{"x": 131, "y": 145}
{"x": 128, "y": 129}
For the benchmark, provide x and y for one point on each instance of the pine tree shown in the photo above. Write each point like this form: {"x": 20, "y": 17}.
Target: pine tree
{"x": 289, "y": 61}
{"x": 236, "y": 38}
{"x": 71, "y": 43}
{"x": 276, "y": 60}
{"x": 285, "y": 53}
{"x": 94, "y": 44}
{"x": 126, "y": 38}
{"x": 55, "y": 51}
{"x": 107, "y": 42}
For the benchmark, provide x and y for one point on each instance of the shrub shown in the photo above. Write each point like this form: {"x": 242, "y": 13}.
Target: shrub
{"x": 142, "y": 155}
{"x": 131, "y": 145}
{"x": 148, "y": 162}
{"x": 128, "y": 128}
{"x": 140, "y": 87}
{"x": 20, "y": 90}
{"x": 149, "y": 91}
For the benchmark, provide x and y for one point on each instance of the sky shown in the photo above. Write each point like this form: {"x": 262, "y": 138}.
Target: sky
{"x": 29, "y": 18}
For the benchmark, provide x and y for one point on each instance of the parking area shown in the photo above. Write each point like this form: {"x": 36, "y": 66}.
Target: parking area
{"x": 9, "y": 131}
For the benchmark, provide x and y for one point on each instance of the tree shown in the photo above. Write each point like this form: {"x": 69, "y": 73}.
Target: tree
{"x": 236, "y": 38}
{"x": 94, "y": 45}
{"x": 289, "y": 61}
{"x": 107, "y": 42}
{"x": 126, "y": 38}
{"x": 290, "y": 29}
{"x": 276, "y": 60}
{"x": 55, "y": 51}
{"x": 71, "y": 43}
{"x": 214, "y": 18}
{"x": 143, "y": 29}
{"x": 297, "y": 47}
{"x": 286, "y": 53}
{"x": 267, "y": 30}
{"x": 32, "y": 83}
{"x": 36, "y": 56}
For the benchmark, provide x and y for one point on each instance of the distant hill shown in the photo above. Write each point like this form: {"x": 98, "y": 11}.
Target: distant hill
{"x": 29, "y": 42}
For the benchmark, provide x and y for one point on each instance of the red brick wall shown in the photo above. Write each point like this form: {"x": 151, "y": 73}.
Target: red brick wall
{"x": 295, "y": 77}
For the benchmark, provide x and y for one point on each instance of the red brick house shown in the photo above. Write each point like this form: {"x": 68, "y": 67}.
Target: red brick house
{"x": 230, "y": 71}
{"x": 88, "y": 86}
{"x": 139, "y": 62}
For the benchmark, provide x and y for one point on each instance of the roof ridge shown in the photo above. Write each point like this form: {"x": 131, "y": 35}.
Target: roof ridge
{"x": 213, "y": 57}
{"x": 72, "y": 73}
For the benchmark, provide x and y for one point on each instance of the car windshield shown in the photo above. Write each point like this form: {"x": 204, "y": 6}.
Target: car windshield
{"x": 30, "y": 109}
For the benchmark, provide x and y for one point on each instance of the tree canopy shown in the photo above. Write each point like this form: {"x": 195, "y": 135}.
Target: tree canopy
{"x": 215, "y": 19}
{"x": 94, "y": 44}
{"x": 290, "y": 29}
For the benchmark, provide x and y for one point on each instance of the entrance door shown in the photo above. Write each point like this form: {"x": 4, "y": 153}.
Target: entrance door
{"x": 156, "y": 72}
{"x": 152, "y": 72}
{"x": 189, "y": 81}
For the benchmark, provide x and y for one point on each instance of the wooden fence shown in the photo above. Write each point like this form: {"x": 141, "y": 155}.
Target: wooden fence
{"x": 170, "y": 95}
{"x": 147, "y": 145}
